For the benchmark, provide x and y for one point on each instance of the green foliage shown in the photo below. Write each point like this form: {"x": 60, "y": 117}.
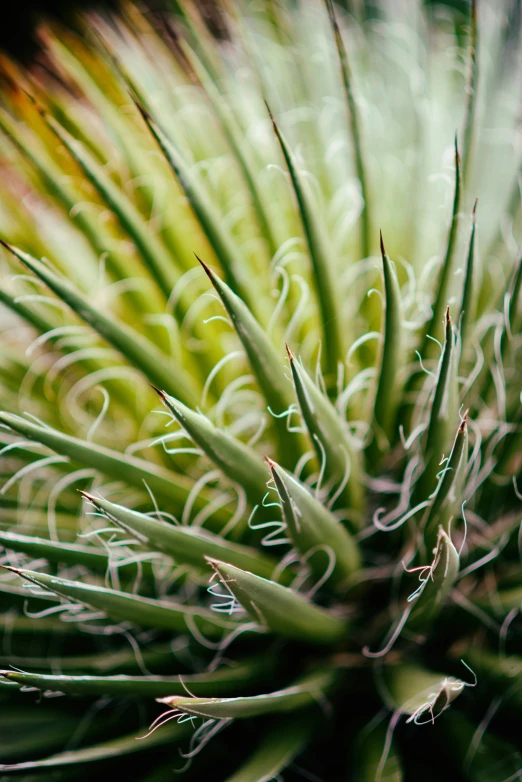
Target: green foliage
{"x": 260, "y": 473}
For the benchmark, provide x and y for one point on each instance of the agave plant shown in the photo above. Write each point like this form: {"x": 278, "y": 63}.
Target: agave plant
{"x": 260, "y": 468}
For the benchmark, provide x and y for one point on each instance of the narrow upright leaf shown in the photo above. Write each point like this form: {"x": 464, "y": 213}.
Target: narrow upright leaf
{"x": 322, "y": 267}
{"x": 467, "y": 303}
{"x": 424, "y": 604}
{"x": 235, "y": 459}
{"x": 470, "y": 121}
{"x": 437, "y": 582}
{"x": 388, "y": 391}
{"x": 232, "y": 132}
{"x": 335, "y": 451}
{"x": 211, "y": 221}
{"x": 443, "y": 415}
{"x": 355, "y": 128}
{"x": 443, "y": 282}
{"x": 312, "y": 528}
{"x": 448, "y": 494}
{"x": 266, "y": 365}
{"x": 155, "y": 255}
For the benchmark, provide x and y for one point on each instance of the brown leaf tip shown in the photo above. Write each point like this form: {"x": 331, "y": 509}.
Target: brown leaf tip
{"x": 87, "y": 496}
{"x": 16, "y": 570}
{"x": 159, "y": 392}
{"x": 457, "y": 154}
{"x": 206, "y": 267}
{"x": 383, "y": 249}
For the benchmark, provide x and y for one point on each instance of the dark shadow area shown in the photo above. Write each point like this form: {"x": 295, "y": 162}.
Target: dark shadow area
{"x": 20, "y": 20}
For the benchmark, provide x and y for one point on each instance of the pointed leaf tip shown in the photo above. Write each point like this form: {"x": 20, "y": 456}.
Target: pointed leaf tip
{"x": 278, "y": 609}
{"x": 18, "y": 571}
{"x": 208, "y": 271}
{"x": 86, "y": 494}
{"x": 159, "y": 392}
{"x": 383, "y": 250}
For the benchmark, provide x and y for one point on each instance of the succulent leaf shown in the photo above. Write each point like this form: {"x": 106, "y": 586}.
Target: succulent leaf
{"x": 240, "y": 551}
{"x": 279, "y": 609}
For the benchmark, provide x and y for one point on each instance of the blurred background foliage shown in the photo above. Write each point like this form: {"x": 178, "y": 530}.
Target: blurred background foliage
{"x": 18, "y": 29}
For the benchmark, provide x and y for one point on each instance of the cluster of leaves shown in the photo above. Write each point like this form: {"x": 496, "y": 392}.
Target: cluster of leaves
{"x": 326, "y": 538}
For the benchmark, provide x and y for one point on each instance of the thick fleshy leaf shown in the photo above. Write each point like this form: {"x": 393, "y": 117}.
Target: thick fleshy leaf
{"x": 139, "y": 351}
{"x": 388, "y": 390}
{"x": 334, "y": 448}
{"x": 168, "y": 615}
{"x": 266, "y": 365}
{"x": 184, "y": 544}
{"x": 426, "y": 602}
{"x": 447, "y": 497}
{"x": 306, "y": 692}
{"x": 217, "y": 683}
{"x": 279, "y": 609}
{"x": 443, "y": 415}
{"x": 468, "y": 293}
{"x": 279, "y": 746}
{"x": 419, "y": 693}
{"x": 235, "y": 459}
{"x": 438, "y": 580}
{"x": 312, "y": 528}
